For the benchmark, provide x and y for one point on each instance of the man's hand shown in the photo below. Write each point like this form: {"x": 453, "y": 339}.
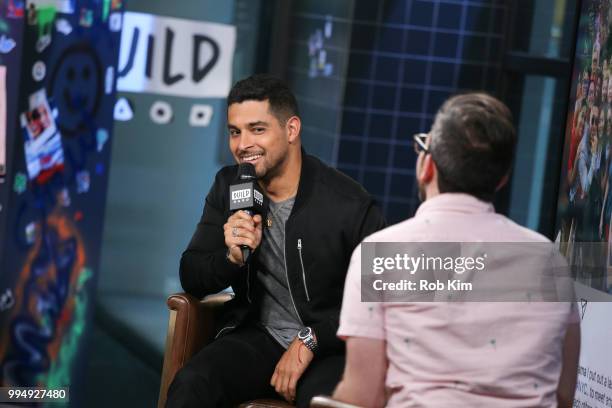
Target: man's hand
{"x": 241, "y": 229}
{"x": 290, "y": 368}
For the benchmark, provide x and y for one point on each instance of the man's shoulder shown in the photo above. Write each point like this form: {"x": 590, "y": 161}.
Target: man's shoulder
{"x": 409, "y": 230}
{"x": 496, "y": 229}
{"x": 226, "y": 174}
{"x": 218, "y": 191}
{"x": 336, "y": 181}
{"x": 520, "y": 233}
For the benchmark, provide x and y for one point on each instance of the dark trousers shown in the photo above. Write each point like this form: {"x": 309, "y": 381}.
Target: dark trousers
{"x": 238, "y": 367}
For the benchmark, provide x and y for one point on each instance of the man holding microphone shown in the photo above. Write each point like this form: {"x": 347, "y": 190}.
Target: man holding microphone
{"x": 278, "y": 334}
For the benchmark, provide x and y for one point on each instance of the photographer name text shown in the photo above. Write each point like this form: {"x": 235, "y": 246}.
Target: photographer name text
{"x": 422, "y": 285}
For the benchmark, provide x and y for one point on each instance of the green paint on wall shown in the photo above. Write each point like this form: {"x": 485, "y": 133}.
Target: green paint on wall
{"x": 60, "y": 369}
{"x": 3, "y": 25}
{"x": 105, "y": 9}
{"x": 45, "y": 17}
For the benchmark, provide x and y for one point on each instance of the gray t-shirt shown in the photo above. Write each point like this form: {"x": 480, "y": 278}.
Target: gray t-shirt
{"x": 277, "y": 312}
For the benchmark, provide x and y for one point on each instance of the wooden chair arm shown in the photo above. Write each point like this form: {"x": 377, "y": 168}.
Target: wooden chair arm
{"x": 190, "y": 327}
{"x": 321, "y": 401}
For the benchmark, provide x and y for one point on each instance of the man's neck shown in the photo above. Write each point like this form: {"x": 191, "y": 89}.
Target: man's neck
{"x": 285, "y": 185}
{"x": 431, "y": 194}
{"x": 431, "y": 189}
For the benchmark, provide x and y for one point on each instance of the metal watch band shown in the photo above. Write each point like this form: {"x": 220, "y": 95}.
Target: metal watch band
{"x": 310, "y": 343}
{"x": 309, "y": 340}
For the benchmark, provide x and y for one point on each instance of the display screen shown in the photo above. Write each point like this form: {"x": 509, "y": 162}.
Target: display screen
{"x": 585, "y": 195}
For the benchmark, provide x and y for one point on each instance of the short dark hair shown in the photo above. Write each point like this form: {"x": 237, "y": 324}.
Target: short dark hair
{"x": 261, "y": 87}
{"x": 472, "y": 144}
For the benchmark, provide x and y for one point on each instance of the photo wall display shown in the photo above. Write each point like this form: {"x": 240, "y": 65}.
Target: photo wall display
{"x": 584, "y": 211}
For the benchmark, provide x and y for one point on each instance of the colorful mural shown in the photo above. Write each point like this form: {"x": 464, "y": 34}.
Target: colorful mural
{"x": 53, "y": 193}
{"x": 50, "y": 302}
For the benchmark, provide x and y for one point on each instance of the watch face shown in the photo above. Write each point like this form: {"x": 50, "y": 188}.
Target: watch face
{"x": 304, "y": 332}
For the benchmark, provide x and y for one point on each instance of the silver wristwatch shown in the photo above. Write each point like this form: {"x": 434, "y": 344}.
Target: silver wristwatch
{"x": 306, "y": 336}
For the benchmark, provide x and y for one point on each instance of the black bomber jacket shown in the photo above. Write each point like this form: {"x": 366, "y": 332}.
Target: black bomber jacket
{"x": 331, "y": 215}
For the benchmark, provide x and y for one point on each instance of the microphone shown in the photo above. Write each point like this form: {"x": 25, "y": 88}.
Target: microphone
{"x": 245, "y": 195}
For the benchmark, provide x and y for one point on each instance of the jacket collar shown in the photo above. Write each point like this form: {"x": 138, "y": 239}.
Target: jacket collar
{"x": 308, "y": 176}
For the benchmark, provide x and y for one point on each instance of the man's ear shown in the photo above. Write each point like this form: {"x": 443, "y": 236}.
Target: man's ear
{"x": 293, "y": 127}
{"x": 503, "y": 181}
{"x": 429, "y": 168}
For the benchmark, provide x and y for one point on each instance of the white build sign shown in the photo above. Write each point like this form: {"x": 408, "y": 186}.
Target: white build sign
{"x": 172, "y": 56}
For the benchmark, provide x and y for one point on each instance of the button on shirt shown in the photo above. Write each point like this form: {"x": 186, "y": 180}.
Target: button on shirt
{"x": 486, "y": 354}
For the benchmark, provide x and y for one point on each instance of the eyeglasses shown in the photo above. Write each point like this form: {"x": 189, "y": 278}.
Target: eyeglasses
{"x": 420, "y": 143}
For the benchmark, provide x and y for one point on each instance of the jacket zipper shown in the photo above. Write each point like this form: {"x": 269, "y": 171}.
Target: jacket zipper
{"x": 299, "y": 247}
{"x": 287, "y": 275}
{"x": 222, "y": 330}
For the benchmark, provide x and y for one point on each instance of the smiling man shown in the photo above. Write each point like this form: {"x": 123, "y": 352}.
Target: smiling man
{"x": 277, "y": 336}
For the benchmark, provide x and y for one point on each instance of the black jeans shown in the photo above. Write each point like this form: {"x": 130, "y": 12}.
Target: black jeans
{"x": 238, "y": 367}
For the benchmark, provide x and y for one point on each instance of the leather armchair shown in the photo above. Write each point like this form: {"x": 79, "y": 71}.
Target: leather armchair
{"x": 190, "y": 327}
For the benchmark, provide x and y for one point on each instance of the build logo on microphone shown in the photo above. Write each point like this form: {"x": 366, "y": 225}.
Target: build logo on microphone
{"x": 242, "y": 195}
{"x": 258, "y": 197}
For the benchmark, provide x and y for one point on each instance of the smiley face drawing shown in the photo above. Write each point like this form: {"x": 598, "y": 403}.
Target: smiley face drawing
{"x": 76, "y": 86}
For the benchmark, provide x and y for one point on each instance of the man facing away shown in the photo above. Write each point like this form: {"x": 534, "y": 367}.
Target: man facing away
{"x": 488, "y": 354}
{"x": 278, "y": 334}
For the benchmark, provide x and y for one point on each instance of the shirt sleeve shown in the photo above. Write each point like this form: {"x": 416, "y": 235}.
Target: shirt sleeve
{"x": 357, "y": 318}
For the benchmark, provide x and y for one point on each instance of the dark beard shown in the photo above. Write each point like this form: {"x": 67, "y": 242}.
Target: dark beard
{"x": 274, "y": 170}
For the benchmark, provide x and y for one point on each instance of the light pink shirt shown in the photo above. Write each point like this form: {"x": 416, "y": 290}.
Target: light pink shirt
{"x": 461, "y": 354}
